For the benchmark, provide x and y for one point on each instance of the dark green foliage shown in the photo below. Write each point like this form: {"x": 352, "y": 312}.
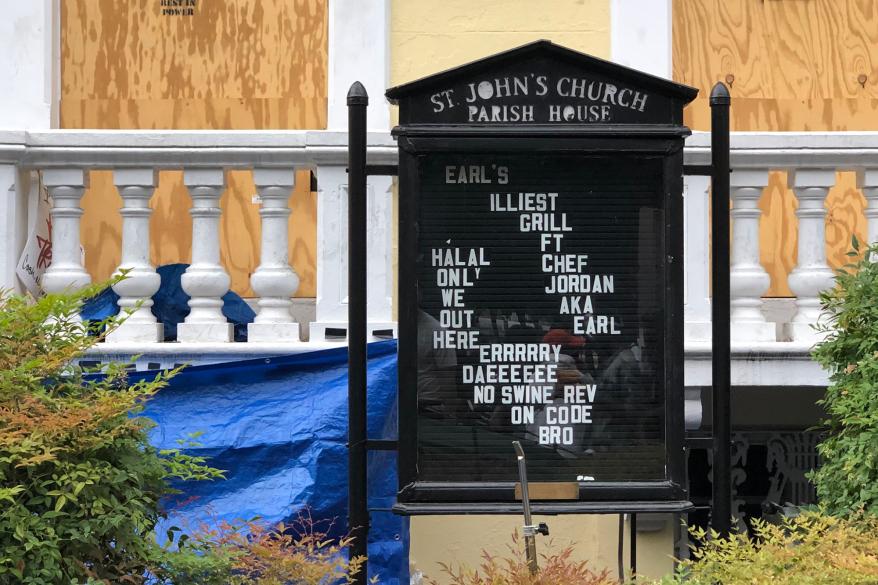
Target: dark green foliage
{"x": 79, "y": 483}
{"x": 847, "y": 480}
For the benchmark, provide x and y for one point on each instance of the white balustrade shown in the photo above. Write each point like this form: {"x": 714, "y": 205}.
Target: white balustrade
{"x": 205, "y": 281}
{"x": 748, "y": 279}
{"x": 136, "y": 186}
{"x": 274, "y": 280}
{"x": 66, "y": 272}
{"x": 812, "y": 274}
{"x": 811, "y": 159}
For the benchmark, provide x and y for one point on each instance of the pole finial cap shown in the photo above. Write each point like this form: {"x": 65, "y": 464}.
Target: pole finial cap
{"x": 719, "y": 95}
{"x": 357, "y": 95}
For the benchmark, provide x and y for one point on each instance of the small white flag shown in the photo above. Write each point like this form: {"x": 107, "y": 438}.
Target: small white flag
{"x": 37, "y": 253}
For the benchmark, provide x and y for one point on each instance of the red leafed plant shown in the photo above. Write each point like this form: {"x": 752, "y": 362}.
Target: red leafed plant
{"x": 245, "y": 553}
{"x": 556, "y": 568}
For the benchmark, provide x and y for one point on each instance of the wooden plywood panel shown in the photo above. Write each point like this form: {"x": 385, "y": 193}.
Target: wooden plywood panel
{"x": 791, "y": 66}
{"x": 126, "y": 49}
{"x": 233, "y": 64}
{"x": 183, "y": 114}
{"x": 777, "y": 233}
{"x": 845, "y": 218}
{"x": 170, "y": 227}
{"x": 100, "y": 230}
{"x": 303, "y": 235}
{"x": 770, "y": 114}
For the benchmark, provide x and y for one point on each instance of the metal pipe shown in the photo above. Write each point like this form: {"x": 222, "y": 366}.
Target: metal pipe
{"x": 620, "y": 552}
{"x": 721, "y": 514}
{"x": 633, "y": 559}
{"x": 358, "y": 511}
{"x": 530, "y": 537}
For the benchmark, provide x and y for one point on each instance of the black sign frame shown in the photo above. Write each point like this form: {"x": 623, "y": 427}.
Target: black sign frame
{"x": 660, "y": 138}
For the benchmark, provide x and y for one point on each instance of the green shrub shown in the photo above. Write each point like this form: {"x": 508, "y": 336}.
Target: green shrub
{"x": 79, "y": 483}
{"x": 810, "y": 549}
{"x": 555, "y": 568}
{"x": 847, "y": 480}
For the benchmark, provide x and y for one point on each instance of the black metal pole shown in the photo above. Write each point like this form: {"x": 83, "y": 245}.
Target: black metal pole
{"x": 358, "y": 511}
{"x": 633, "y": 559}
{"x": 721, "y": 513}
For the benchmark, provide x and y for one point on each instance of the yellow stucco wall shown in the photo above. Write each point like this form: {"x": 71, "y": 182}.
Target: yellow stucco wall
{"x": 428, "y": 36}
{"x": 461, "y": 539}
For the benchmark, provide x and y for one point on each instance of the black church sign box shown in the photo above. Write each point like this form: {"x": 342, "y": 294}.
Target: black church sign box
{"x": 541, "y": 285}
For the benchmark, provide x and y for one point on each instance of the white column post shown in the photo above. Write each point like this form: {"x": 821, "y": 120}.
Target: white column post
{"x": 332, "y": 260}
{"x": 380, "y": 294}
{"x": 30, "y": 38}
{"x": 332, "y": 266}
{"x": 14, "y": 190}
{"x": 136, "y": 187}
{"x": 66, "y": 272}
{"x": 640, "y": 35}
{"x": 811, "y": 275}
{"x": 696, "y": 258}
{"x": 867, "y": 181}
{"x": 749, "y": 280}
{"x": 274, "y": 280}
{"x": 359, "y": 50}
{"x": 206, "y": 281}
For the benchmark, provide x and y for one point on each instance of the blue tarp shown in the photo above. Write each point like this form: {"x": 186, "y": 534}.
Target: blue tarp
{"x": 279, "y": 428}
{"x": 171, "y": 304}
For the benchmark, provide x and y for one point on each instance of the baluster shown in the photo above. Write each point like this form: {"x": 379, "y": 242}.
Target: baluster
{"x": 136, "y": 186}
{"x": 867, "y": 181}
{"x": 274, "y": 280}
{"x": 812, "y": 274}
{"x": 748, "y": 278}
{"x": 66, "y": 272}
{"x": 205, "y": 281}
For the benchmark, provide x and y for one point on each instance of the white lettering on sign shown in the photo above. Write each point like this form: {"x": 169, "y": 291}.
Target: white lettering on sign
{"x": 562, "y": 113}
{"x": 570, "y": 100}
{"x": 580, "y": 283}
{"x": 532, "y": 384}
{"x": 595, "y": 325}
{"x": 510, "y": 373}
{"x": 519, "y": 352}
{"x": 476, "y": 174}
{"x": 504, "y": 113}
{"x": 442, "y": 100}
{"x": 564, "y": 263}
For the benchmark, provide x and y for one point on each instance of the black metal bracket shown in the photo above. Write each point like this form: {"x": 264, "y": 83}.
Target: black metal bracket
{"x": 382, "y": 445}
{"x": 382, "y": 170}
{"x": 698, "y": 442}
{"x": 698, "y": 170}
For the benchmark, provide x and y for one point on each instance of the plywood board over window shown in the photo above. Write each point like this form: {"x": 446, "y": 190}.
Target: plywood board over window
{"x": 224, "y": 65}
{"x": 791, "y": 65}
